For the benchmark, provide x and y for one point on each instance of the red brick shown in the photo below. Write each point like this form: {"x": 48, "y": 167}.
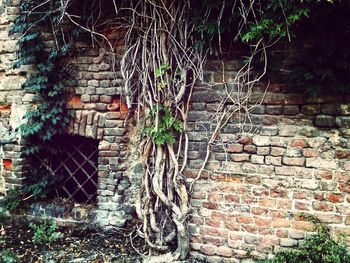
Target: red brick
{"x": 300, "y": 195}
{"x": 250, "y": 228}
{"x": 281, "y": 233}
{"x": 217, "y": 216}
{"x": 319, "y": 196}
{"x": 215, "y": 197}
{"x": 261, "y": 192}
{"x": 303, "y": 225}
{"x": 335, "y": 198}
{"x": 246, "y": 140}
{"x": 198, "y": 195}
{"x": 278, "y": 214}
{"x": 232, "y": 198}
{"x": 253, "y": 180}
{"x": 195, "y": 239}
{"x": 267, "y": 202}
{"x": 246, "y": 199}
{"x": 245, "y": 219}
{"x": 212, "y": 223}
{"x": 224, "y": 252}
{"x": 252, "y": 239}
{"x": 233, "y": 226}
{"x": 263, "y": 222}
{"x": 250, "y": 148}
{"x": 278, "y": 193}
{"x": 242, "y": 189}
{"x": 208, "y": 250}
{"x": 285, "y": 204}
{"x": 323, "y": 206}
{"x": 270, "y": 241}
{"x": 343, "y": 209}
{"x": 302, "y": 206}
{"x": 342, "y": 154}
{"x": 329, "y": 218}
{"x": 265, "y": 231}
{"x": 235, "y": 237}
{"x": 347, "y": 220}
{"x": 277, "y": 151}
{"x": 260, "y": 211}
{"x": 324, "y": 175}
{"x": 210, "y": 205}
{"x": 213, "y": 232}
{"x": 342, "y": 177}
{"x": 310, "y": 152}
{"x": 197, "y": 220}
{"x": 235, "y": 148}
{"x": 345, "y": 188}
{"x": 298, "y": 143}
{"x": 240, "y": 157}
{"x": 213, "y": 240}
{"x": 281, "y": 223}
{"x": 7, "y": 163}
{"x": 234, "y": 244}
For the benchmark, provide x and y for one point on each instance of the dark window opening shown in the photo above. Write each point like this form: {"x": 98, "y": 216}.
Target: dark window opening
{"x": 77, "y": 165}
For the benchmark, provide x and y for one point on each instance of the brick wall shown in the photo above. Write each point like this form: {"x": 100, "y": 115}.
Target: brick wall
{"x": 254, "y": 188}
{"x": 13, "y": 102}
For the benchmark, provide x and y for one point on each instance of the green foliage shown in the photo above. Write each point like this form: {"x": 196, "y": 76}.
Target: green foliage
{"x": 7, "y": 256}
{"x": 273, "y": 19}
{"x": 11, "y": 201}
{"x": 162, "y": 131}
{"x": 45, "y": 233}
{"x": 49, "y": 116}
{"x": 317, "y": 248}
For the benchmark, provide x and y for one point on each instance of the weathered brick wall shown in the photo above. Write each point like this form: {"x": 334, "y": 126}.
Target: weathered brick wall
{"x": 251, "y": 194}
{"x": 249, "y": 199}
{"x": 13, "y": 102}
{"x": 100, "y": 113}
{"x": 98, "y": 110}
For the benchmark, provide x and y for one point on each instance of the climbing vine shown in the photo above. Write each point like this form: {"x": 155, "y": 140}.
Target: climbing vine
{"x": 50, "y": 76}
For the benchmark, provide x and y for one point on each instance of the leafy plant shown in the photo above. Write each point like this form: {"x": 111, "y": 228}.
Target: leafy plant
{"x": 162, "y": 131}
{"x": 7, "y": 256}
{"x": 49, "y": 116}
{"x": 317, "y": 248}
{"x": 11, "y": 201}
{"x": 45, "y": 233}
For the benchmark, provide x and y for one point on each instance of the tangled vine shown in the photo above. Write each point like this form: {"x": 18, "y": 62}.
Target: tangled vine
{"x": 166, "y": 45}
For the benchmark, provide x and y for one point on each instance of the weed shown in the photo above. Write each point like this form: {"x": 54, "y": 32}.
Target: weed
{"x": 45, "y": 233}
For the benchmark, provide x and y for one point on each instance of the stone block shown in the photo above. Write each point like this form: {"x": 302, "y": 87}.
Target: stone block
{"x": 325, "y": 121}
{"x": 311, "y": 109}
{"x": 274, "y": 109}
{"x": 288, "y": 242}
{"x": 343, "y": 122}
{"x": 291, "y": 110}
{"x": 321, "y": 163}
{"x": 261, "y": 140}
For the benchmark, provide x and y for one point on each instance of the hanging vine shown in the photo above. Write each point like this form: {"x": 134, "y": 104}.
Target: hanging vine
{"x": 50, "y": 75}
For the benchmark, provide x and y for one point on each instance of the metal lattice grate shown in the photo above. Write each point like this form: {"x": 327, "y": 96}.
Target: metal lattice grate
{"x": 77, "y": 163}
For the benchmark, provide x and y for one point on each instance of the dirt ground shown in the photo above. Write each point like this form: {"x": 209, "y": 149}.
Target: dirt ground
{"x": 78, "y": 244}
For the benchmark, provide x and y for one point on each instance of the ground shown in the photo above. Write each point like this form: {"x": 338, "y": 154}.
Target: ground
{"x": 79, "y": 243}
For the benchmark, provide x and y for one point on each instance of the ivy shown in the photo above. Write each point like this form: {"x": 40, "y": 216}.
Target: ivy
{"x": 163, "y": 131}
{"x": 48, "y": 117}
